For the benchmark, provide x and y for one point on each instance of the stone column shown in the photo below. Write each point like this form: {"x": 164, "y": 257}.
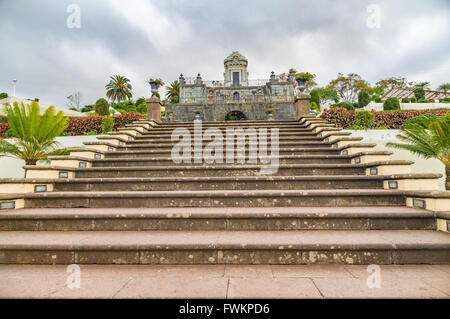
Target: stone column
{"x": 154, "y": 109}
{"x": 302, "y": 105}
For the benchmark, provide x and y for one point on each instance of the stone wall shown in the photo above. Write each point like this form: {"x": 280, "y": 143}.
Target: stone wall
{"x": 217, "y": 112}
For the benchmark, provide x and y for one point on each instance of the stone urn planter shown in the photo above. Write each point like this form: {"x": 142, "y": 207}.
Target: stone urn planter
{"x": 155, "y": 84}
{"x": 270, "y": 113}
{"x": 154, "y": 89}
{"x": 301, "y": 83}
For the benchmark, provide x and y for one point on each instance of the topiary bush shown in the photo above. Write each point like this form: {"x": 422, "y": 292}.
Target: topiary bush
{"x": 377, "y": 99}
{"x": 445, "y": 100}
{"x": 423, "y": 101}
{"x": 344, "y": 105}
{"x": 364, "y": 119}
{"x": 107, "y": 124}
{"x": 391, "y": 104}
{"x": 102, "y": 107}
{"x": 3, "y": 95}
{"x": 406, "y": 100}
{"x": 363, "y": 98}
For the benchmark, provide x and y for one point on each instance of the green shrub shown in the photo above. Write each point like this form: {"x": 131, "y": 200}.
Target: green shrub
{"x": 142, "y": 108}
{"x": 419, "y": 93}
{"x": 421, "y": 120}
{"x": 406, "y": 100}
{"x": 445, "y": 100}
{"x": 3, "y": 95}
{"x": 391, "y": 104}
{"x": 315, "y": 97}
{"x": 364, "y": 119}
{"x": 140, "y": 101}
{"x": 107, "y": 124}
{"x": 423, "y": 101}
{"x": 345, "y": 105}
{"x": 10, "y": 133}
{"x": 102, "y": 107}
{"x": 87, "y": 108}
{"x": 413, "y": 100}
{"x": 363, "y": 98}
{"x": 91, "y": 133}
{"x": 377, "y": 99}
{"x": 314, "y": 106}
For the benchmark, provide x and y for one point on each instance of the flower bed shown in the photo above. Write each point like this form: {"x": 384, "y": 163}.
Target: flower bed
{"x": 392, "y": 120}
{"x": 83, "y": 125}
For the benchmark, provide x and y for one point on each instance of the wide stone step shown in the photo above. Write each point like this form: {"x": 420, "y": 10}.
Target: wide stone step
{"x": 220, "y": 170}
{"x": 218, "y": 183}
{"x": 225, "y": 247}
{"x": 130, "y": 145}
{"x": 168, "y": 161}
{"x": 232, "y": 123}
{"x": 281, "y": 134}
{"x": 219, "y": 218}
{"x": 138, "y": 152}
{"x": 168, "y": 139}
{"x": 231, "y": 198}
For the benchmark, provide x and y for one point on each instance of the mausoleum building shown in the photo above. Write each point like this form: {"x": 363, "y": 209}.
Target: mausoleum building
{"x": 236, "y": 96}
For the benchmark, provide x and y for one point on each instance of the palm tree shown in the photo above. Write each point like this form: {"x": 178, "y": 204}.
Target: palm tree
{"x": 445, "y": 87}
{"x": 34, "y": 133}
{"x": 430, "y": 139}
{"x": 118, "y": 88}
{"x": 173, "y": 92}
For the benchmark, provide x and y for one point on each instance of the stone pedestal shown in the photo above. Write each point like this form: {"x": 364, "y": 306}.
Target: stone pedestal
{"x": 302, "y": 105}
{"x": 154, "y": 109}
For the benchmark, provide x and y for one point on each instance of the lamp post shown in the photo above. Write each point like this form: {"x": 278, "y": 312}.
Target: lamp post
{"x": 14, "y": 87}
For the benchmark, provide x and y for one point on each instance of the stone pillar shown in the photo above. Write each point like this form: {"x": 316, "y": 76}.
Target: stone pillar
{"x": 302, "y": 105}
{"x": 154, "y": 109}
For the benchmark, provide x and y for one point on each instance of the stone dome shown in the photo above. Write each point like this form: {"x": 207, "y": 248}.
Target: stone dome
{"x": 235, "y": 58}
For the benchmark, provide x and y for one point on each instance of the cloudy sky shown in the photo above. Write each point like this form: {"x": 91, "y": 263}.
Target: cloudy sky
{"x": 144, "y": 38}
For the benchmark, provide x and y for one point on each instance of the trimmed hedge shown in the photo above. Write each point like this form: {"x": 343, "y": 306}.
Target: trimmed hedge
{"x": 391, "y": 104}
{"x": 392, "y": 120}
{"x": 84, "y": 125}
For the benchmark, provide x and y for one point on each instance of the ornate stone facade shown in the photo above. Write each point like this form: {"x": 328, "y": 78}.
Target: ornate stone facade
{"x": 236, "y": 93}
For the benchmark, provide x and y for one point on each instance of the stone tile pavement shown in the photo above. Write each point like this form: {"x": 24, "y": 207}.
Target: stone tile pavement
{"x": 224, "y": 281}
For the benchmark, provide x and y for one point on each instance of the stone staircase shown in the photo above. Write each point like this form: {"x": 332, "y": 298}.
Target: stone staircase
{"x": 121, "y": 199}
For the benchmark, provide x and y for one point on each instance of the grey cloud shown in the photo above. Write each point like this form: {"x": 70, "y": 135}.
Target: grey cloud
{"x": 324, "y": 37}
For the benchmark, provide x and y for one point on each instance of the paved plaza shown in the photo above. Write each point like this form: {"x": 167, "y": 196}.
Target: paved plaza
{"x": 224, "y": 281}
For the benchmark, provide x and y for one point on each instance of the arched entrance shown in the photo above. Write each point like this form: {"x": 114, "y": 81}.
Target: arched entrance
{"x": 235, "y": 116}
